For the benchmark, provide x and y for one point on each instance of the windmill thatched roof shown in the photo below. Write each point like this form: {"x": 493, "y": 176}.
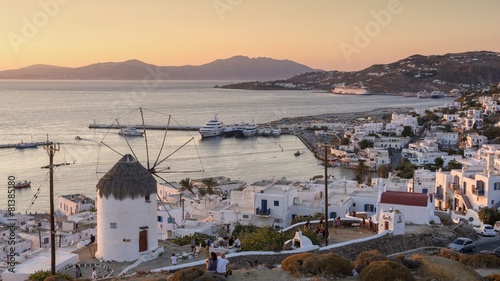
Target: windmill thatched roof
{"x": 127, "y": 179}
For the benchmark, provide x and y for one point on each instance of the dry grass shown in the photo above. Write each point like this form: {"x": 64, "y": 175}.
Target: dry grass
{"x": 386, "y": 270}
{"x": 443, "y": 269}
{"x": 365, "y": 258}
{"x": 187, "y": 274}
{"x": 481, "y": 261}
{"x": 493, "y": 277}
{"x": 329, "y": 264}
{"x": 450, "y": 254}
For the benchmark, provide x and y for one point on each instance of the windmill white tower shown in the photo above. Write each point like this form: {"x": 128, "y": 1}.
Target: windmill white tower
{"x": 126, "y": 212}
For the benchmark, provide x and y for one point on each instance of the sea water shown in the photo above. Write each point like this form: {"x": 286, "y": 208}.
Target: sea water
{"x": 61, "y": 110}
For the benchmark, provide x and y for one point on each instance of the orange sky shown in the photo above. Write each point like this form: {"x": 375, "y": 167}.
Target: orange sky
{"x": 325, "y": 34}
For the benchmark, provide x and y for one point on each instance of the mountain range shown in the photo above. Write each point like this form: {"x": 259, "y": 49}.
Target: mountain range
{"x": 474, "y": 70}
{"x": 234, "y": 68}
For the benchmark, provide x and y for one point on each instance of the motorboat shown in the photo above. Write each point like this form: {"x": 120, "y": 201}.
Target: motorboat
{"x": 437, "y": 95}
{"x": 133, "y": 132}
{"x": 297, "y": 153}
{"x": 276, "y": 132}
{"x": 230, "y": 131}
{"x": 22, "y": 184}
{"x": 212, "y": 128}
{"x": 250, "y": 130}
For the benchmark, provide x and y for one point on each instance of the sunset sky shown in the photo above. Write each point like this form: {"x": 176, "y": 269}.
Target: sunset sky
{"x": 323, "y": 34}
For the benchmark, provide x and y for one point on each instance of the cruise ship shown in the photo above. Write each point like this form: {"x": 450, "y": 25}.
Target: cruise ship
{"x": 355, "y": 89}
{"x": 212, "y": 128}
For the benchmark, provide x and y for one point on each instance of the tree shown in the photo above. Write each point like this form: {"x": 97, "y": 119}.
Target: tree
{"x": 453, "y": 164}
{"x": 186, "y": 185}
{"x": 361, "y": 171}
{"x": 438, "y": 162}
{"x": 210, "y": 183}
{"x": 345, "y": 141}
{"x": 383, "y": 171}
{"x": 405, "y": 169}
{"x": 407, "y": 132}
{"x": 489, "y": 215}
{"x": 365, "y": 143}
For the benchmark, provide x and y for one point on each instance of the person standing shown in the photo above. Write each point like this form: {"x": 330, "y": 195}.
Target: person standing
{"x": 193, "y": 245}
{"x": 78, "y": 272}
{"x": 363, "y": 225}
{"x": 222, "y": 263}
{"x": 94, "y": 274}
{"x": 370, "y": 224}
{"x": 173, "y": 260}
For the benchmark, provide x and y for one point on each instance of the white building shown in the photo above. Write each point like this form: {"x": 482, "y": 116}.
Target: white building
{"x": 75, "y": 203}
{"x": 126, "y": 212}
{"x": 417, "y": 207}
{"x": 475, "y": 140}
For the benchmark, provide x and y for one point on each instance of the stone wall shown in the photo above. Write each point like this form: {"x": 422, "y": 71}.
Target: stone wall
{"x": 387, "y": 244}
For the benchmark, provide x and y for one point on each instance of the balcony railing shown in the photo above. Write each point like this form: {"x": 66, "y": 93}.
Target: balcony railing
{"x": 479, "y": 192}
{"x": 263, "y": 212}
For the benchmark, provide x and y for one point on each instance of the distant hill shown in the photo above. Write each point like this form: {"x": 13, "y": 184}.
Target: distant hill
{"x": 234, "y": 68}
{"x": 462, "y": 71}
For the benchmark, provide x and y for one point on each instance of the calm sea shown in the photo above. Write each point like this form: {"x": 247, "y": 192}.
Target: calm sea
{"x": 64, "y": 109}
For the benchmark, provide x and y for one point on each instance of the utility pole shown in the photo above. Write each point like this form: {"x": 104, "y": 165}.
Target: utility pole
{"x": 51, "y": 150}
{"x": 326, "y": 196}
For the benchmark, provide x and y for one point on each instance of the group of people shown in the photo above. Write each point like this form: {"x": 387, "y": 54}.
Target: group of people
{"x": 371, "y": 226}
{"x": 78, "y": 273}
{"x": 218, "y": 264}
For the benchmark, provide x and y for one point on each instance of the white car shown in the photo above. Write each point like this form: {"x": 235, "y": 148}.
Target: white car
{"x": 485, "y": 230}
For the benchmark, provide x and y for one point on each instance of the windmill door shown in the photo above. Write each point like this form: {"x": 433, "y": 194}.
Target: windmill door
{"x": 143, "y": 240}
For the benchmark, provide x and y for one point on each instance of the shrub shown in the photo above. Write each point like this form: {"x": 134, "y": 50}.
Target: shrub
{"x": 410, "y": 263}
{"x": 43, "y": 275}
{"x": 328, "y": 265}
{"x": 365, "y": 258}
{"x": 264, "y": 239}
{"x": 450, "y": 254}
{"x": 334, "y": 265}
{"x": 385, "y": 270}
{"x": 295, "y": 263}
{"x": 198, "y": 237}
{"x": 187, "y": 274}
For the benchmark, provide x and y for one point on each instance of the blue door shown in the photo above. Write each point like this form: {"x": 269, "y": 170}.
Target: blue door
{"x": 263, "y": 205}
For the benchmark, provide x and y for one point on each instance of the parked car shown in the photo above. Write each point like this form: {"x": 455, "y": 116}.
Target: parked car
{"x": 485, "y": 230}
{"x": 462, "y": 244}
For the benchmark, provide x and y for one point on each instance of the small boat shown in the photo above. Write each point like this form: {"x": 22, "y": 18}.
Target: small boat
{"x": 230, "y": 131}
{"x": 297, "y": 153}
{"x": 133, "y": 132}
{"x": 276, "y": 132}
{"x": 23, "y": 145}
{"x": 22, "y": 184}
